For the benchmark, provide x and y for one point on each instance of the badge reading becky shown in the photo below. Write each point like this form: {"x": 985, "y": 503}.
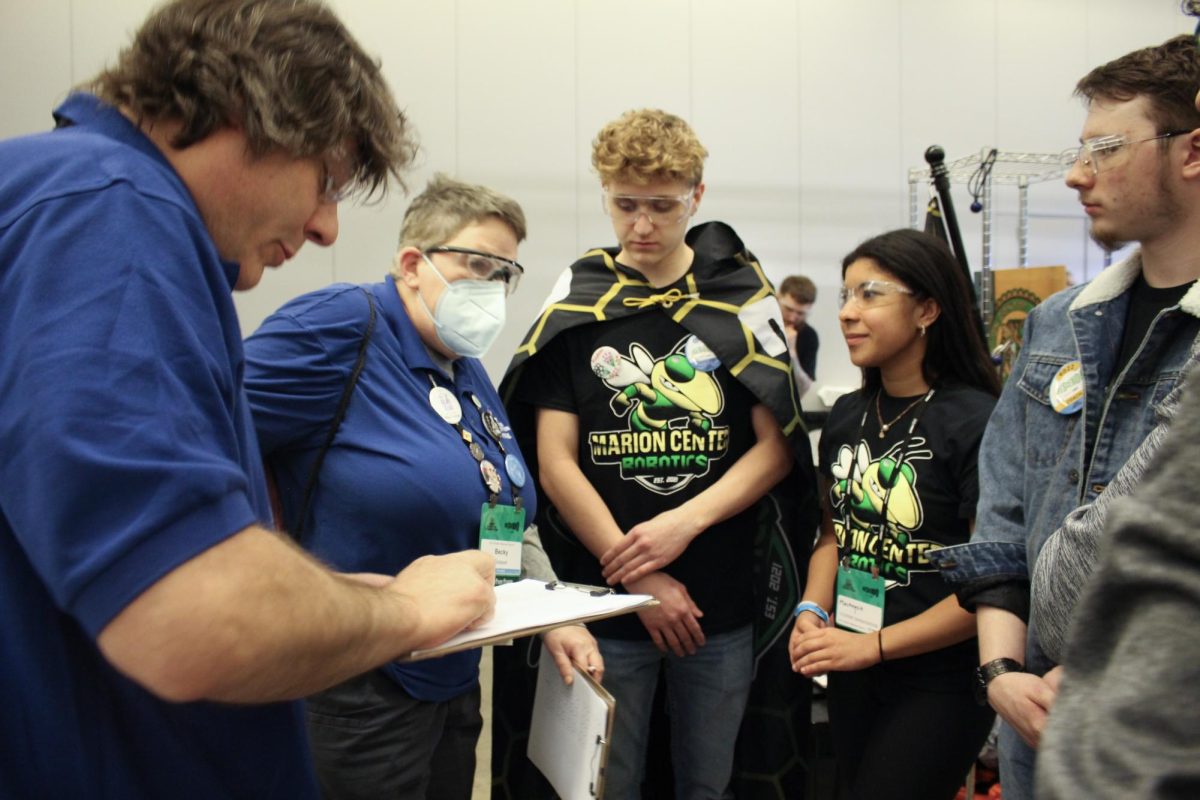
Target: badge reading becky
{"x": 668, "y": 404}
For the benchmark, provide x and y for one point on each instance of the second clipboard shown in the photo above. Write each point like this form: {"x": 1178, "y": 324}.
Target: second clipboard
{"x": 570, "y": 731}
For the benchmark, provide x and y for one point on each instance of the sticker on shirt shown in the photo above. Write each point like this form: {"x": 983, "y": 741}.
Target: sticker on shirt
{"x": 501, "y": 531}
{"x": 445, "y": 404}
{"x": 860, "y": 599}
{"x": 668, "y": 404}
{"x": 872, "y": 535}
{"x": 1066, "y": 390}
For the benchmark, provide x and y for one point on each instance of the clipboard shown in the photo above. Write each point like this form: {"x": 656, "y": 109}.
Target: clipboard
{"x": 570, "y": 731}
{"x": 531, "y": 606}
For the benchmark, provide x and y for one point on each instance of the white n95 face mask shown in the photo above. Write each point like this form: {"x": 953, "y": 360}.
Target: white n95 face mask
{"x": 469, "y": 314}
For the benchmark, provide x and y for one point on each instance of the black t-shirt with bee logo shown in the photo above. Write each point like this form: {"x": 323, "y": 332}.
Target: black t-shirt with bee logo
{"x": 918, "y": 490}
{"x": 660, "y": 420}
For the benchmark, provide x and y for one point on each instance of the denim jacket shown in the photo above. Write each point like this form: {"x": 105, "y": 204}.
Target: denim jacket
{"x": 1031, "y": 461}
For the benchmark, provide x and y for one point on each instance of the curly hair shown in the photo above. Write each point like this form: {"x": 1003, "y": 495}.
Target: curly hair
{"x": 286, "y": 72}
{"x": 1167, "y": 75}
{"x": 648, "y": 145}
{"x": 446, "y": 206}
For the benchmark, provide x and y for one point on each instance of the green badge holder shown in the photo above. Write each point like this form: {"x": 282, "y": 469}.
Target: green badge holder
{"x": 501, "y": 530}
{"x": 860, "y": 598}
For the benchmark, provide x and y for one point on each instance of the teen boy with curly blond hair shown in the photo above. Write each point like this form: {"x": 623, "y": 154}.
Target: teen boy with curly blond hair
{"x": 658, "y": 396}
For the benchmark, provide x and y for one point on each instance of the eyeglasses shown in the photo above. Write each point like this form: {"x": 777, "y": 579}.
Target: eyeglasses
{"x": 1098, "y": 153}
{"x": 659, "y": 209}
{"x": 871, "y": 294}
{"x": 485, "y": 266}
{"x": 334, "y": 191}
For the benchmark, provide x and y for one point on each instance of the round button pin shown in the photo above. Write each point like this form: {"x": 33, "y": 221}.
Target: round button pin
{"x": 515, "y": 470}
{"x": 700, "y": 355}
{"x": 445, "y": 404}
{"x": 491, "y": 476}
{"x": 1066, "y": 389}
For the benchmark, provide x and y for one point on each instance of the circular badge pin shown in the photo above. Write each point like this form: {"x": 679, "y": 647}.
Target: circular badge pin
{"x": 492, "y": 423}
{"x": 1066, "y": 390}
{"x": 700, "y": 355}
{"x": 515, "y": 470}
{"x": 445, "y": 404}
{"x": 491, "y": 476}
{"x": 606, "y": 362}
{"x": 609, "y": 366}
{"x": 476, "y": 451}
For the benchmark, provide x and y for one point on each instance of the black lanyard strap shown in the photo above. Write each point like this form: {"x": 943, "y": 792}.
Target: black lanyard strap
{"x": 488, "y": 473}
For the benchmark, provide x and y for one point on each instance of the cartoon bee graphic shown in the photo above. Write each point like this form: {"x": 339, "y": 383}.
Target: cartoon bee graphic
{"x": 861, "y": 485}
{"x": 655, "y": 393}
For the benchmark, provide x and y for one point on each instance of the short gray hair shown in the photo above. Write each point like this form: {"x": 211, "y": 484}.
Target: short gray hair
{"x": 447, "y": 206}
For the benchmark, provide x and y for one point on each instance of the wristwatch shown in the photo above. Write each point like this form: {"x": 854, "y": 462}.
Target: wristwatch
{"x": 989, "y": 672}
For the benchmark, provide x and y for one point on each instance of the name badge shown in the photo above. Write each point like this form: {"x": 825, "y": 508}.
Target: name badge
{"x": 1066, "y": 390}
{"x": 860, "y": 597}
{"x": 501, "y": 530}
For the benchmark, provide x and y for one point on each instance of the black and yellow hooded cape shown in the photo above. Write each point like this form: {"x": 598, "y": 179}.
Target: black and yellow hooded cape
{"x": 725, "y": 280}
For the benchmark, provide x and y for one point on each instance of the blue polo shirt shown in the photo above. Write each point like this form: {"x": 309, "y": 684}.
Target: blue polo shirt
{"x": 398, "y": 482}
{"x": 127, "y": 450}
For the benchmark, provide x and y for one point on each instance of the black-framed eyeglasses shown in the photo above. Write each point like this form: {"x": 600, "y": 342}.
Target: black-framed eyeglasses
{"x": 1097, "y": 154}
{"x": 485, "y": 266}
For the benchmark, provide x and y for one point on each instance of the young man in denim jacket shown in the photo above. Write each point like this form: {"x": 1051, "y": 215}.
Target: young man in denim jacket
{"x": 1096, "y": 362}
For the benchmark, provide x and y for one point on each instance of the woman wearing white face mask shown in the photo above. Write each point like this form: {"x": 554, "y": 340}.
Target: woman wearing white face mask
{"x": 421, "y": 462}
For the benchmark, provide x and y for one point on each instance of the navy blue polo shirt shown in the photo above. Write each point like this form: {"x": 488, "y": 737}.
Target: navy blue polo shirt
{"x": 398, "y": 482}
{"x": 127, "y": 450}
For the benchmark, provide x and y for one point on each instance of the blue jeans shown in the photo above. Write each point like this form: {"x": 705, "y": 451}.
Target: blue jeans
{"x": 706, "y": 697}
{"x": 1016, "y": 764}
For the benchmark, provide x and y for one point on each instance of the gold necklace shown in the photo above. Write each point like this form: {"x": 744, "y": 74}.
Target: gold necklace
{"x": 884, "y": 427}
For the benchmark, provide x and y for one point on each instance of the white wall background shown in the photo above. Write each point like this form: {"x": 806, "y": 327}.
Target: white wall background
{"x": 813, "y": 111}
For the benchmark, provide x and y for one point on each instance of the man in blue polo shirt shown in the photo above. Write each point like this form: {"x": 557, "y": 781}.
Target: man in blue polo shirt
{"x": 150, "y": 626}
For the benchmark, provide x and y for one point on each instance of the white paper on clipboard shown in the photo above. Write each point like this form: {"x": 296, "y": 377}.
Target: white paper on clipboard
{"x": 570, "y": 731}
{"x": 531, "y": 606}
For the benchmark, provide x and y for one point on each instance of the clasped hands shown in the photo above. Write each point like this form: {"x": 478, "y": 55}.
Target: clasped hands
{"x": 649, "y": 546}
{"x": 635, "y": 561}
{"x": 816, "y": 648}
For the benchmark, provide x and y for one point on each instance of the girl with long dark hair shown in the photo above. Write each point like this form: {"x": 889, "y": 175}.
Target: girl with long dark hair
{"x": 899, "y": 459}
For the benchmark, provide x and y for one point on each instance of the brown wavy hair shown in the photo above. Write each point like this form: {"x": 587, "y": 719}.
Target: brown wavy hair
{"x": 1167, "y": 75}
{"x": 287, "y": 72}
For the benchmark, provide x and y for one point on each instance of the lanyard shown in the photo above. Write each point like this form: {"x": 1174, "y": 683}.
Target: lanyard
{"x": 449, "y": 409}
{"x": 880, "y": 552}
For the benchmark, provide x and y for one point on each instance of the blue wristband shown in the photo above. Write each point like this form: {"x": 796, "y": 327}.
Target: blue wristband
{"x": 809, "y": 605}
